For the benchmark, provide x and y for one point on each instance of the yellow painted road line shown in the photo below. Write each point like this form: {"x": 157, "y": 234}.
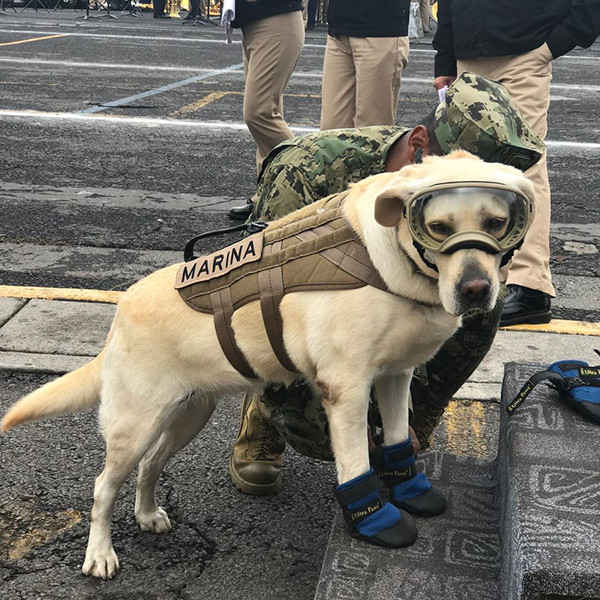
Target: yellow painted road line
{"x": 48, "y": 293}
{"x": 37, "y": 39}
{"x": 560, "y": 326}
{"x": 112, "y": 296}
{"x": 214, "y": 96}
{"x": 194, "y": 106}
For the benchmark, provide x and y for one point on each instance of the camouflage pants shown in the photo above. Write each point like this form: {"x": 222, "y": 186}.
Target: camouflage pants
{"x": 284, "y": 186}
{"x": 297, "y": 412}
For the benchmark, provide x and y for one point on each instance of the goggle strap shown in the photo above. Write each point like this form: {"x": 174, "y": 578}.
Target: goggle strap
{"x": 421, "y": 252}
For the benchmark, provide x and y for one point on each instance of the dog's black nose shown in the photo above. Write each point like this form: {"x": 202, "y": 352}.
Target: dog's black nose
{"x": 475, "y": 290}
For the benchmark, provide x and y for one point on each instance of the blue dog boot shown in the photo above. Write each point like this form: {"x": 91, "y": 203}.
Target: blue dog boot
{"x": 369, "y": 519}
{"x": 577, "y": 383}
{"x": 410, "y": 490}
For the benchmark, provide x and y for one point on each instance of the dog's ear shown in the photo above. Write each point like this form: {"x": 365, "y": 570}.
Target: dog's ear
{"x": 389, "y": 207}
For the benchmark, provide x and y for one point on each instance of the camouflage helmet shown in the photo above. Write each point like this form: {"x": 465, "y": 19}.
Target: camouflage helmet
{"x": 478, "y": 116}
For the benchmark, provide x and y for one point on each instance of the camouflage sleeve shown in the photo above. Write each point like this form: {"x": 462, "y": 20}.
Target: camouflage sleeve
{"x": 281, "y": 192}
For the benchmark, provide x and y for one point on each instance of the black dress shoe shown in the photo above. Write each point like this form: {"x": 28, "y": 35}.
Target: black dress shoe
{"x": 524, "y": 305}
{"x": 190, "y": 17}
{"x": 163, "y": 16}
{"x": 241, "y": 213}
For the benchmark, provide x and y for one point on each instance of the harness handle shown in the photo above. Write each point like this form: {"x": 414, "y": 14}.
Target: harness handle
{"x": 252, "y": 227}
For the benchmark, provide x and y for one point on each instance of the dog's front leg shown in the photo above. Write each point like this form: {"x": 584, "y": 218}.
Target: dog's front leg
{"x": 395, "y": 460}
{"x": 368, "y": 517}
{"x": 393, "y": 394}
{"x": 346, "y": 405}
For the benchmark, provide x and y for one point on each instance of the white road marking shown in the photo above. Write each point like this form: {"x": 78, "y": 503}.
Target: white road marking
{"x": 160, "y": 90}
{"x": 102, "y": 65}
{"x": 296, "y": 75}
{"x": 233, "y": 126}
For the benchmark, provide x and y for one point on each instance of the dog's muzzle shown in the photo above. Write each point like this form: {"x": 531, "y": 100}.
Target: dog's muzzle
{"x": 505, "y": 218}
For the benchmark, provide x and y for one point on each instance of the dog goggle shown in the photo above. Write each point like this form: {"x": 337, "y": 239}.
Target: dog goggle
{"x": 495, "y": 217}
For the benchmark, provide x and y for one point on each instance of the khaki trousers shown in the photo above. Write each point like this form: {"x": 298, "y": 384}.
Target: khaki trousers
{"x": 527, "y": 78}
{"x": 425, "y": 10}
{"x": 361, "y": 80}
{"x": 272, "y": 47}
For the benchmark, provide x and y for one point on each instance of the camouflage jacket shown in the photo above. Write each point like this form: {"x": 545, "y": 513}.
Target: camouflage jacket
{"x": 306, "y": 168}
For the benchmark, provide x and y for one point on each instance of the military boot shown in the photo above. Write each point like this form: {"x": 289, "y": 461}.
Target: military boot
{"x": 255, "y": 464}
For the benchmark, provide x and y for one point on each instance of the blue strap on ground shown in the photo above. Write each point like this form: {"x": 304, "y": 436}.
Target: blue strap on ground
{"x": 578, "y": 385}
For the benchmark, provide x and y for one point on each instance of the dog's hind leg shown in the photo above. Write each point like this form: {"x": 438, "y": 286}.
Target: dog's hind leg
{"x": 190, "y": 419}
{"x": 129, "y": 429}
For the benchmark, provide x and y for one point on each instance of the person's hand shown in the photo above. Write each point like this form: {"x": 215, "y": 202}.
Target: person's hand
{"x": 443, "y": 81}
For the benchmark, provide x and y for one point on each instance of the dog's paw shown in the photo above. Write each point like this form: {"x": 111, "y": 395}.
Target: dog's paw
{"x": 157, "y": 521}
{"x": 103, "y": 564}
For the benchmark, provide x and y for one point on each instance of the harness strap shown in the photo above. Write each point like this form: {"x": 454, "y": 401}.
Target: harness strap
{"x": 222, "y": 311}
{"x": 270, "y": 283}
{"x": 355, "y": 260}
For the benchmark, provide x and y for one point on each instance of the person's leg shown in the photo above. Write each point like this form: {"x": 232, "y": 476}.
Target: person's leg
{"x": 282, "y": 191}
{"x": 527, "y": 78}
{"x": 338, "y": 89}
{"x": 272, "y": 47}
{"x": 158, "y": 8}
{"x": 312, "y": 14}
{"x": 255, "y": 463}
{"x": 425, "y": 10}
{"x": 379, "y": 64}
{"x": 194, "y": 11}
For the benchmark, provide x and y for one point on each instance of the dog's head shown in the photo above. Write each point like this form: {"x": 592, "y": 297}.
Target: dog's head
{"x": 458, "y": 217}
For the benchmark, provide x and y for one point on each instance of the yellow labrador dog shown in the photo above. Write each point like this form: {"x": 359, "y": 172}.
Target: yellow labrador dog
{"x": 162, "y": 369}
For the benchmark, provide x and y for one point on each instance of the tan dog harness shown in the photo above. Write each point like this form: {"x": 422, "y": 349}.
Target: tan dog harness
{"x": 320, "y": 251}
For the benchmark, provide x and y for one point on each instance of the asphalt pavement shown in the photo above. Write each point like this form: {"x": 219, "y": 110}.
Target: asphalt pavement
{"x": 120, "y": 139}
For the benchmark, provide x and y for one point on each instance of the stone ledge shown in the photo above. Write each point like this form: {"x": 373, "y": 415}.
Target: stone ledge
{"x": 550, "y": 496}
{"x": 41, "y": 363}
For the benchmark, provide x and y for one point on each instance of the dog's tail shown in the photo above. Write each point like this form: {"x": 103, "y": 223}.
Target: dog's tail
{"x": 70, "y": 393}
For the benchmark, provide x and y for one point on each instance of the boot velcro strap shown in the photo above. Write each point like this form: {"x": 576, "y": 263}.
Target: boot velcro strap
{"x": 400, "y": 454}
{"x": 359, "y": 490}
{"x": 356, "y": 515}
{"x": 391, "y": 476}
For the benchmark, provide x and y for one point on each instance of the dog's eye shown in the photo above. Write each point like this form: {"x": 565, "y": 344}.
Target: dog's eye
{"x": 440, "y": 229}
{"x": 494, "y": 224}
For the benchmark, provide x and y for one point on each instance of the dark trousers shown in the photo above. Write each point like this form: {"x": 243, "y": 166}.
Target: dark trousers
{"x": 158, "y": 7}
{"x": 195, "y": 7}
{"x": 312, "y": 13}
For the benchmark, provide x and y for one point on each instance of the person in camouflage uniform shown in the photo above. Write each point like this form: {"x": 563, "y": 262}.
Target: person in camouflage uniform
{"x": 478, "y": 117}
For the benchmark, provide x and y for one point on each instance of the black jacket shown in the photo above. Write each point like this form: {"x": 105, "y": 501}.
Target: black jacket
{"x": 484, "y": 28}
{"x": 247, "y": 11}
{"x": 368, "y": 18}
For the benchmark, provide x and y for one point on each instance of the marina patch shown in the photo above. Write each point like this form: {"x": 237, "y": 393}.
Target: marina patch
{"x": 220, "y": 262}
